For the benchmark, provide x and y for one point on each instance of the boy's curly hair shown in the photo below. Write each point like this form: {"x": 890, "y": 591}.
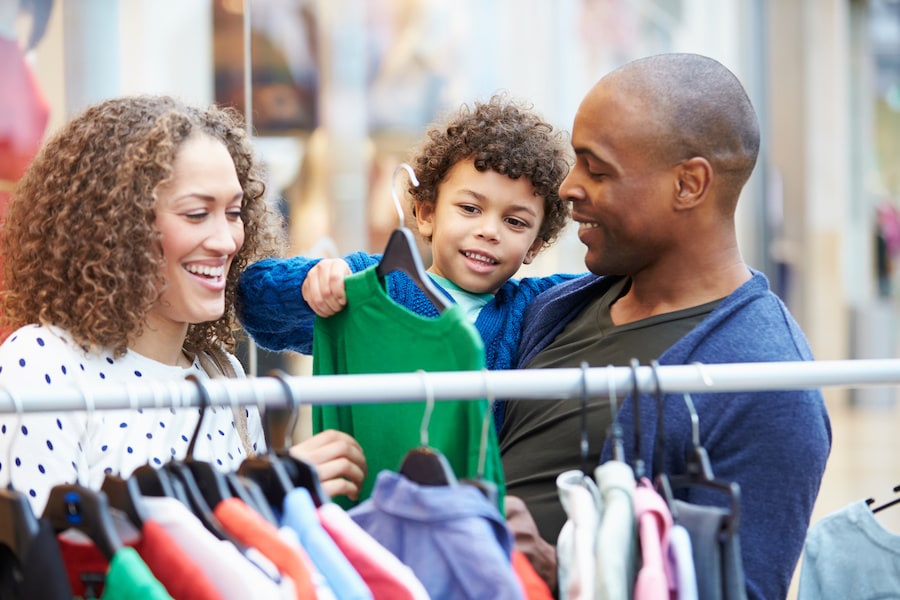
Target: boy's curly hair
{"x": 504, "y": 136}
{"x": 79, "y": 246}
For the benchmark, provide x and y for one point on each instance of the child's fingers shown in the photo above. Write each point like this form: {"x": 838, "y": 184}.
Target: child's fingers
{"x": 323, "y": 288}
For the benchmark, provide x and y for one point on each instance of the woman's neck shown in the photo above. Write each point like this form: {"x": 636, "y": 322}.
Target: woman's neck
{"x": 162, "y": 342}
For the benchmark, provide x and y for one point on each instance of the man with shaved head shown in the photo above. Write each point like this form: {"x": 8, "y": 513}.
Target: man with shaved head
{"x": 663, "y": 147}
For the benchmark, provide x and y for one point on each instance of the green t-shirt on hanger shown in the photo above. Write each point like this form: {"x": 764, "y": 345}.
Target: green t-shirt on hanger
{"x": 374, "y": 334}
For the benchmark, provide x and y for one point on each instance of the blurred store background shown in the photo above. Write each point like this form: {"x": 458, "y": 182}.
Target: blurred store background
{"x": 339, "y": 90}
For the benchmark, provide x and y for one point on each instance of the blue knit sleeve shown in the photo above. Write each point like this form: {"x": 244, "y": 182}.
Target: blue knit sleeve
{"x": 270, "y": 304}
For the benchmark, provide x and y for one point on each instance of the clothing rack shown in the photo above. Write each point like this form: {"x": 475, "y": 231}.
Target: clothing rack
{"x": 529, "y": 384}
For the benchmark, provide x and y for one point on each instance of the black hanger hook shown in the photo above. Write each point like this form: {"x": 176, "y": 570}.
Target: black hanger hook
{"x": 660, "y": 444}
{"x": 615, "y": 428}
{"x": 205, "y": 400}
{"x": 292, "y": 405}
{"x": 636, "y": 405}
{"x": 584, "y": 446}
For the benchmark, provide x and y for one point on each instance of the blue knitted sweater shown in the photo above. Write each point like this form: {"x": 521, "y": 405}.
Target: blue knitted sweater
{"x": 272, "y": 310}
{"x": 773, "y": 444}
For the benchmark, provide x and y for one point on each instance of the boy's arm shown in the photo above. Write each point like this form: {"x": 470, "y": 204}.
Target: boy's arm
{"x": 270, "y": 301}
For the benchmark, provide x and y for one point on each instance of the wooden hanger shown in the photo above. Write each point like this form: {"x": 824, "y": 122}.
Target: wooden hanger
{"x": 402, "y": 254}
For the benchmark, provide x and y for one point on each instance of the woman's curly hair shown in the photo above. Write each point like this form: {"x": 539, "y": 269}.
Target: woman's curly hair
{"x": 504, "y": 136}
{"x": 79, "y": 245}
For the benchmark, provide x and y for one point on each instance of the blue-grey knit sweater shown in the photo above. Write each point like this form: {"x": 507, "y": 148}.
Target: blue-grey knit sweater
{"x": 272, "y": 310}
{"x": 773, "y": 444}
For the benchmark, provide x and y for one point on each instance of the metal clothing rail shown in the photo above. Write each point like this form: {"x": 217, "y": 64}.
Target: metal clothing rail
{"x": 532, "y": 384}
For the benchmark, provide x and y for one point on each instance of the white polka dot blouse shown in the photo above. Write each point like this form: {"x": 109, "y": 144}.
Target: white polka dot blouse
{"x": 40, "y": 450}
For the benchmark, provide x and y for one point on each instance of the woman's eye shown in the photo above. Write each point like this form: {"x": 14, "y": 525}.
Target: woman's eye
{"x": 196, "y": 216}
{"x": 235, "y": 215}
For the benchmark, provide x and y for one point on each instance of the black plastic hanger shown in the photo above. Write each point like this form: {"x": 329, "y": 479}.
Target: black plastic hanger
{"x": 210, "y": 481}
{"x": 402, "y": 254}
{"x": 300, "y": 472}
{"x": 888, "y": 504}
{"x": 124, "y": 494}
{"x": 426, "y": 465}
{"x": 638, "y": 465}
{"x": 188, "y": 485}
{"x": 72, "y": 506}
{"x": 615, "y": 428}
{"x": 659, "y": 447}
{"x": 268, "y": 470}
{"x": 699, "y": 473}
{"x": 584, "y": 445}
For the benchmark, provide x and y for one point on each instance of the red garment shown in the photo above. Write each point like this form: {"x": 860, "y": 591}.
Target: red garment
{"x": 24, "y": 112}
{"x": 182, "y": 577}
{"x": 534, "y": 587}
{"x": 251, "y": 529}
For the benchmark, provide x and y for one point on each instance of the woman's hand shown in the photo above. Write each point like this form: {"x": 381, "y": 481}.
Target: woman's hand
{"x": 323, "y": 288}
{"x": 338, "y": 459}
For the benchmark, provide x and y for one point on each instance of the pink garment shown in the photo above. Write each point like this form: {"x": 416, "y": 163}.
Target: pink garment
{"x": 654, "y": 522}
{"x": 386, "y": 576}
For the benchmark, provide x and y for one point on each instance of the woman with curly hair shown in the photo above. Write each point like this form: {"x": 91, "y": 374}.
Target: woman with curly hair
{"x": 122, "y": 247}
{"x": 487, "y": 203}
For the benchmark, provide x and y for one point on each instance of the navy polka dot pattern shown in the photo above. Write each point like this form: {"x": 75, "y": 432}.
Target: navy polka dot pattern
{"x": 40, "y": 450}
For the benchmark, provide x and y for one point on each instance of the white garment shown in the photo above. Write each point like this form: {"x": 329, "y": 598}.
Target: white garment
{"x": 232, "y": 573}
{"x": 681, "y": 561}
{"x": 617, "y": 536}
{"x": 577, "y": 541}
{"x": 40, "y": 450}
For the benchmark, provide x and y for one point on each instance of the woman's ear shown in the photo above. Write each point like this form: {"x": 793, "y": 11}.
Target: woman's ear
{"x": 425, "y": 218}
{"x": 693, "y": 177}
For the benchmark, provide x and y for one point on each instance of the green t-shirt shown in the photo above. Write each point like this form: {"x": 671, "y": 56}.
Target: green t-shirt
{"x": 374, "y": 334}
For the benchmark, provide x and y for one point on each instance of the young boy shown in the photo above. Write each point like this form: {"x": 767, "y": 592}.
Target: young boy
{"x": 487, "y": 202}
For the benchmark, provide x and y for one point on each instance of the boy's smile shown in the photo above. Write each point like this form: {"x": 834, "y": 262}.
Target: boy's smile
{"x": 483, "y": 227}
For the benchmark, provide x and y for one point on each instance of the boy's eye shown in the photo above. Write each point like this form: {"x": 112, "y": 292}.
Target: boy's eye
{"x": 516, "y": 222}
{"x": 468, "y": 208}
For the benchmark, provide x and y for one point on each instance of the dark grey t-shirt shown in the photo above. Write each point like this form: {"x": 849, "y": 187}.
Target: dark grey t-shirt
{"x": 540, "y": 439}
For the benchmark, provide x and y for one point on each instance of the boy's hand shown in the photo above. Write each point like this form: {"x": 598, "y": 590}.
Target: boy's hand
{"x": 323, "y": 288}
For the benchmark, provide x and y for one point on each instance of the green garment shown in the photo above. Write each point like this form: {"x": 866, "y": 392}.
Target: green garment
{"x": 374, "y": 334}
{"x": 129, "y": 578}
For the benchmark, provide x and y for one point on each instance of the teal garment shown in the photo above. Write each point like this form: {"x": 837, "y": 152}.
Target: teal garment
{"x": 374, "y": 334}
{"x": 471, "y": 303}
{"x": 129, "y": 578}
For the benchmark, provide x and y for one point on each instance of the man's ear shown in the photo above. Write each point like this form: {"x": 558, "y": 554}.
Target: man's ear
{"x": 425, "y": 218}
{"x": 693, "y": 178}
{"x": 533, "y": 251}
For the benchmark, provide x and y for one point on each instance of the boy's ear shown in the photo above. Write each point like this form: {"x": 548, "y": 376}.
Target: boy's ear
{"x": 425, "y": 218}
{"x": 533, "y": 251}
